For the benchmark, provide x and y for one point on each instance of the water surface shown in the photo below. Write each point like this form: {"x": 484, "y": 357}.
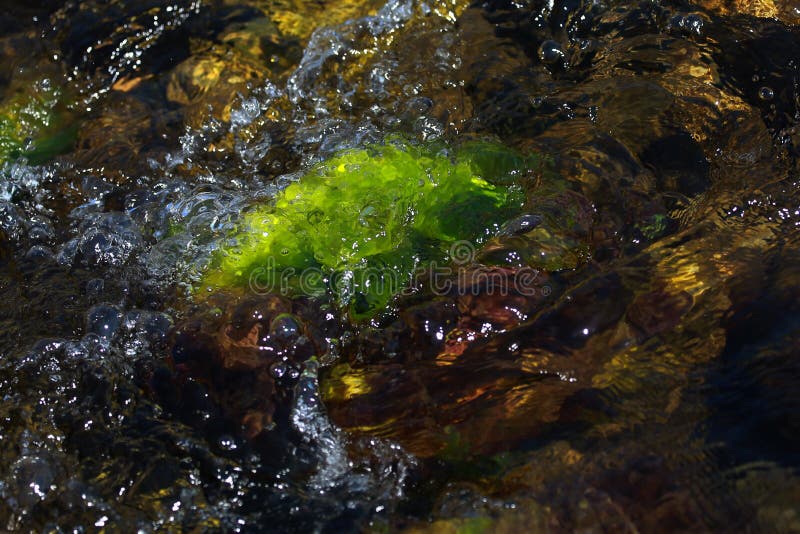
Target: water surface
{"x": 645, "y": 379}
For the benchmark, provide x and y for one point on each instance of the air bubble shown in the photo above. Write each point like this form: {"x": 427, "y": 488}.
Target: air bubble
{"x": 284, "y": 327}
{"x": 107, "y": 239}
{"x": 33, "y": 477}
{"x": 103, "y": 320}
{"x": 39, "y": 253}
{"x": 521, "y": 224}
{"x": 551, "y": 53}
{"x": 278, "y": 370}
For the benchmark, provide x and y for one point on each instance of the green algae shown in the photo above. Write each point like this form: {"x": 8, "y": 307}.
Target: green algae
{"x": 361, "y": 223}
{"x": 654, "y": 227}
{"x": 33, "y": 126}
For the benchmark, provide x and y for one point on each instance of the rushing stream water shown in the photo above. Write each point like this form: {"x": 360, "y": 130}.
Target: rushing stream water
{"x": 590, "y": 211}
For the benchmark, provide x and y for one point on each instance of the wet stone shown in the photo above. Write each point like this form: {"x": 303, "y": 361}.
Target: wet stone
{"x": 250, "y": 356}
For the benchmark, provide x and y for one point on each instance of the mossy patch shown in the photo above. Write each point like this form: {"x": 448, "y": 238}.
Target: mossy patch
{"x": 359, "y": 224}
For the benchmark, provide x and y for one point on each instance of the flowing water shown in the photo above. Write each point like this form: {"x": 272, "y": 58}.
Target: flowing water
{"x": 617, "y": 353}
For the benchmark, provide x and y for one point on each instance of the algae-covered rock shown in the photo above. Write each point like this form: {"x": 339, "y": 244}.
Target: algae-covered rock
{"x": 33, "y": 125}
{"x": 362, "y": 222}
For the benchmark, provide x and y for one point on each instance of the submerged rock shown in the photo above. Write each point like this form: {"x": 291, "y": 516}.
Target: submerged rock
{"x": 247, "y": 354}
{"x": 33, "y": 123}
{"x": 207, "y": 79}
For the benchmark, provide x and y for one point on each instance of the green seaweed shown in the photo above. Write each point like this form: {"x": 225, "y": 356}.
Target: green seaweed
{"x": 359, "y": 224}
{"x": 33, "y": 126}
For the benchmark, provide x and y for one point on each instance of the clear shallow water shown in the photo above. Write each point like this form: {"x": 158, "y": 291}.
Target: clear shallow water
{"x": 651, "y": 387}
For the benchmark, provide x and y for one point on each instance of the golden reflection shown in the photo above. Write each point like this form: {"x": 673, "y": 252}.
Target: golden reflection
{"x": 784, "y": 10}
{"x": 345, "y": 383}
